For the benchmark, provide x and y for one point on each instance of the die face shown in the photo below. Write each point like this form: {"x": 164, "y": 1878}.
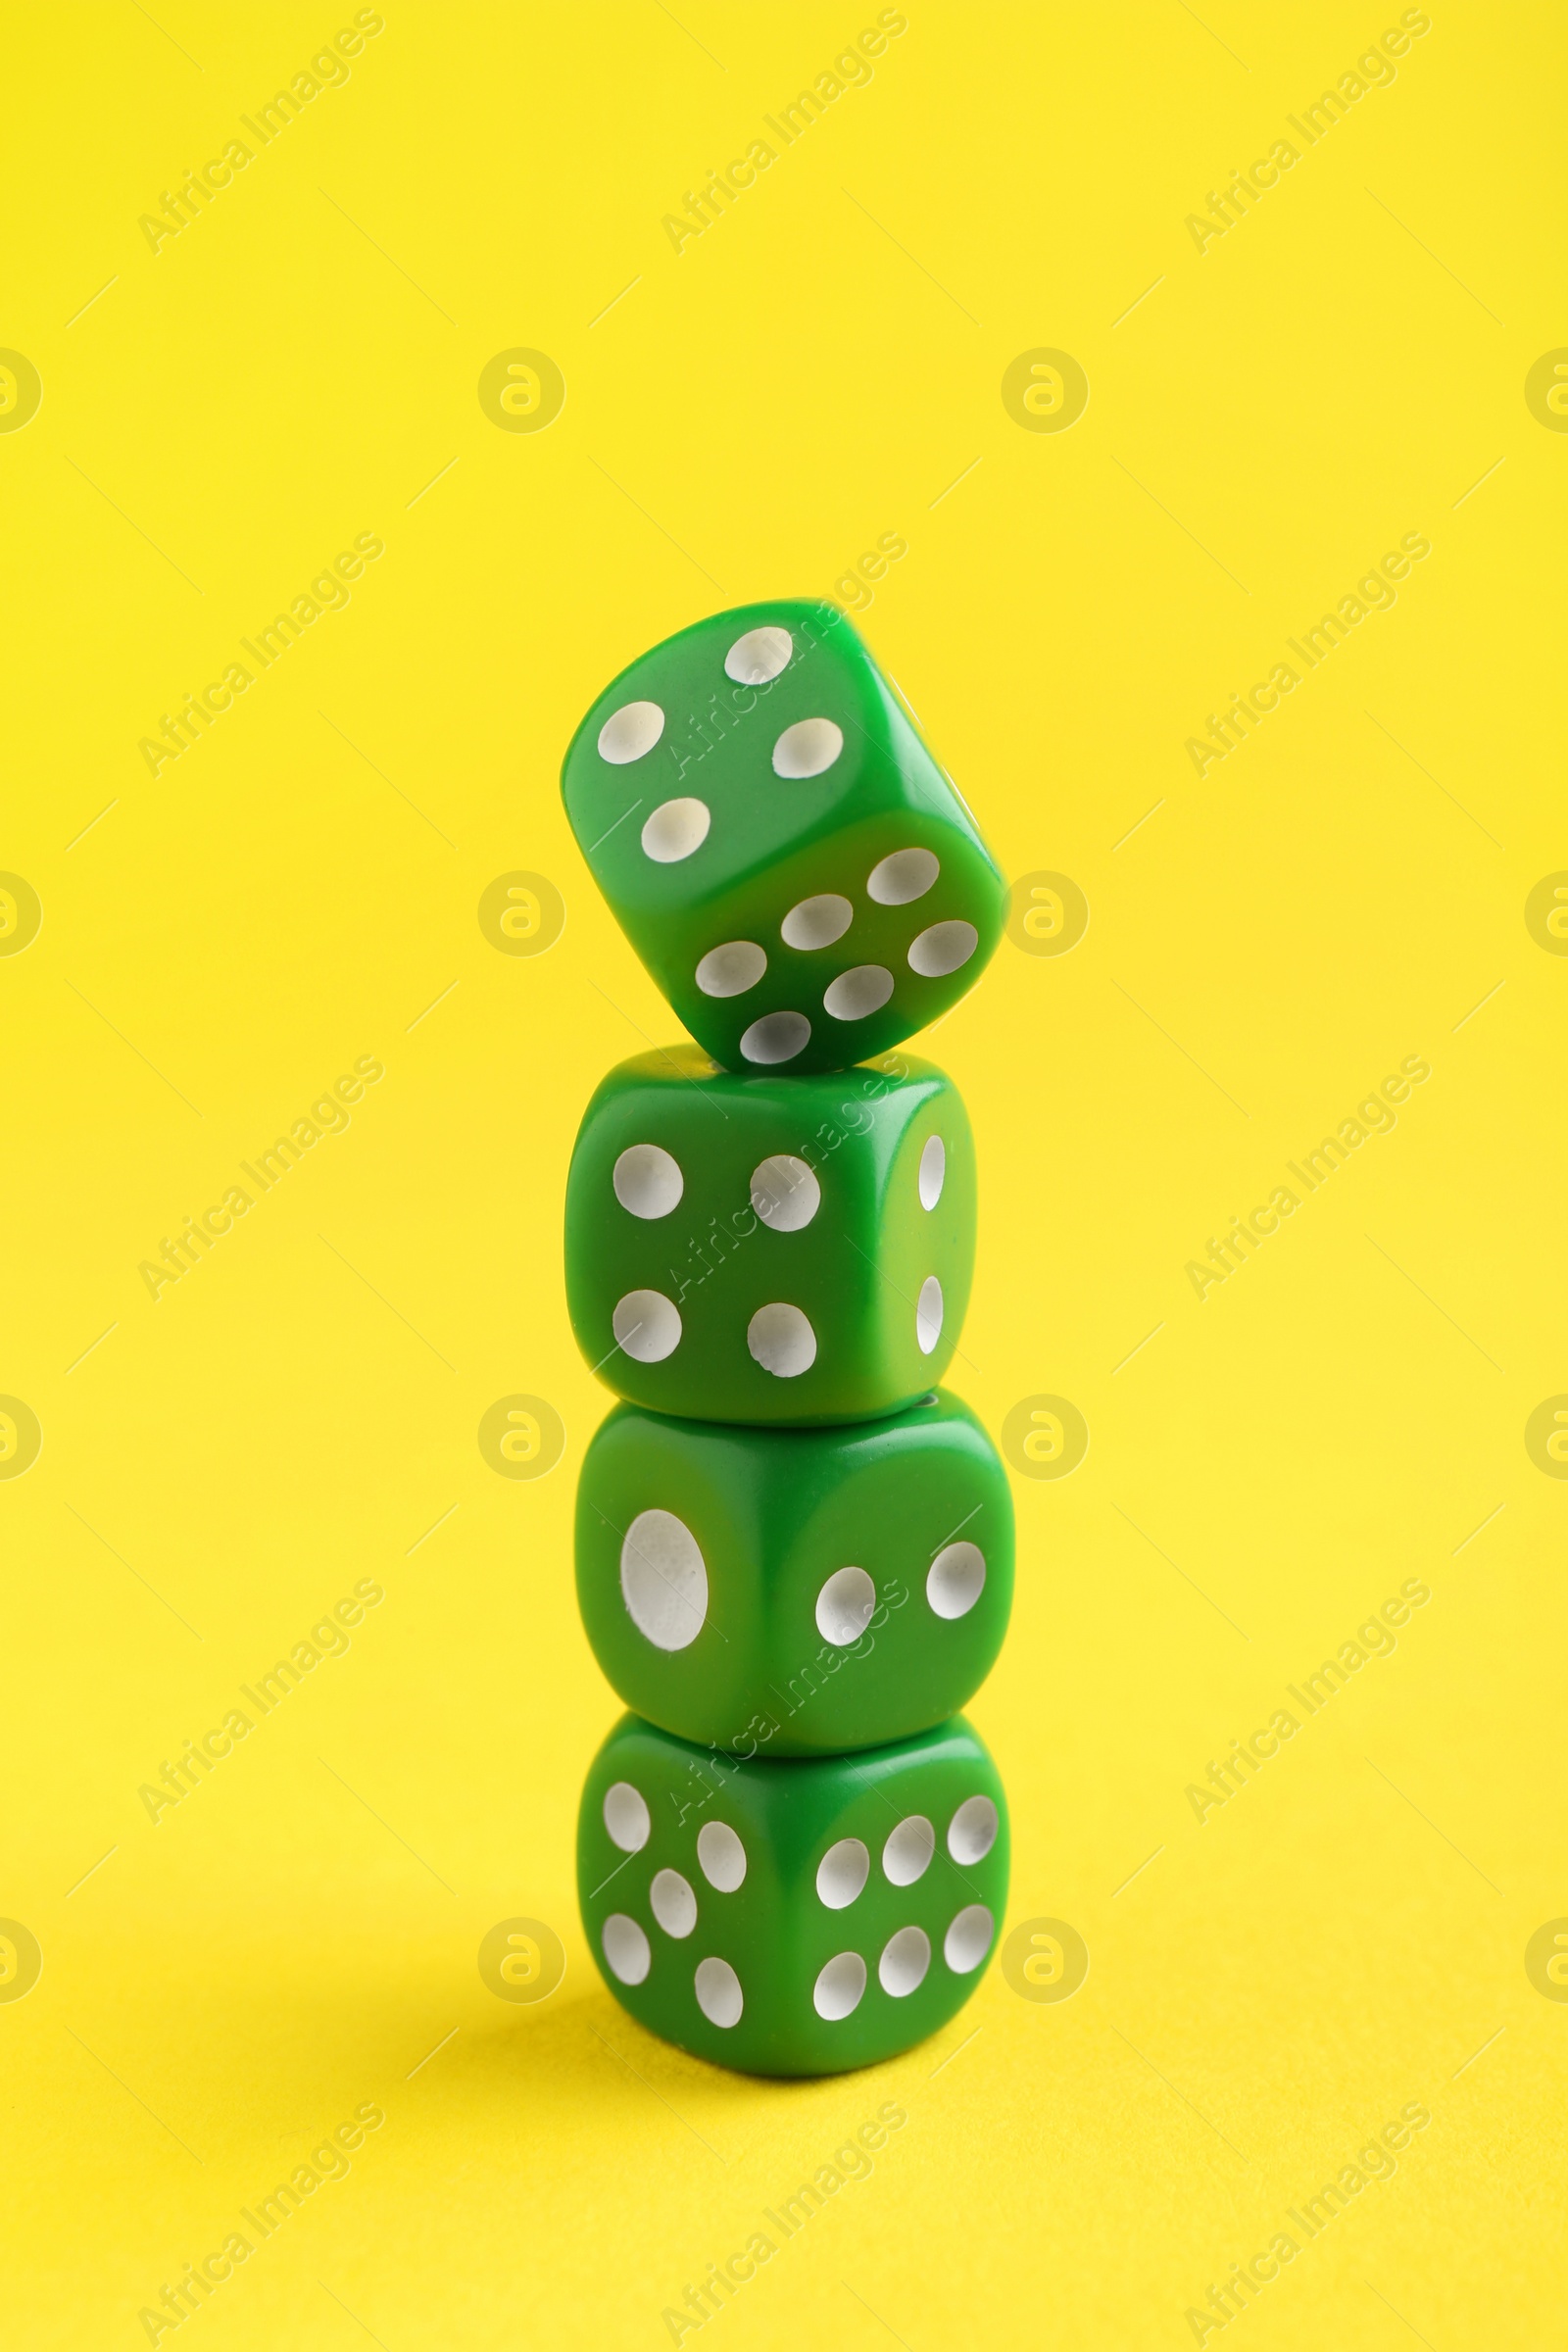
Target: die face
{"x": 784, "y": 1252}
{"x": 789, "y": 860}
{"x": 782, "y": 1593}
{"x": 792, "y": 1918}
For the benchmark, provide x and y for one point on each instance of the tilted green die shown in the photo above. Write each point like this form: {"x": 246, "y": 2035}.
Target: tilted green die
{"x": 792, "y": 1918}
{"x": 796, "y": 870}
{"x": 771, "y": 1248}
{"x": 788, "y": 1592}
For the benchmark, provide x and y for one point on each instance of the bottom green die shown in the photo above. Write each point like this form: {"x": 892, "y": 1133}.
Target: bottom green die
{"x": 792, "y": 1918}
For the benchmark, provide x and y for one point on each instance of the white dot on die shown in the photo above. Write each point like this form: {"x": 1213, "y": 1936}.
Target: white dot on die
{"x": 627, "y": 1951}
{"x": 630, "y": 731}
{"x": 719, "y": 1992}
{"x": 842, "y": 1872}
{"x": 733, "y": 968}
{"x": 664, "y": 1579}
{"x": 776, "y": 1037}
{"x": 908, "y": 874}
{"x": 968, "y": 1939}
{"x": 933, "y": 1170}
{"x": 672, "y": 1903}
{"x": 972, "y": 1830}
{"x": 648, "y": 1179}
{"x": 839, "y": 1988}
{"x": 722, "y": 1855}
{"x": 907, "y": 1852}
{"x": 808, "y": 749}
{"x": 678, "y": 827}
{"x": 844, "y": 1607}
{"x": 906, "y": 1957}
{"x": 757, "y": 659}
{"x": 785, "y": 1193}
{"x": 816, "y": 922}
{"x": 781, "y": 1340}
{"x": 626, "y": 1817}
{"x": 928, "y": 1314}
{"x": 865, "y": 989}
{"x": 942, "y": 949}
{"x": 956, "y": 1579}
{"x": 647, "y": 1326}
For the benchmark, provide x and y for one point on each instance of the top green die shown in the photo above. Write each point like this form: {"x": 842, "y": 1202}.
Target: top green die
{"x": 793, "y": 866}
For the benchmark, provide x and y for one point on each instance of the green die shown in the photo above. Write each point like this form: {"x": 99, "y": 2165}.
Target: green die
{"x": 769, "y": 1248}
{"x": 792, "y": 1918}
{"x": 790, "y": 1592}
{"x": 798, "y": 873}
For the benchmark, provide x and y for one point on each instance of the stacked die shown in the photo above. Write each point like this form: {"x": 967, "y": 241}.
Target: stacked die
{"x": 794, "y": 1549}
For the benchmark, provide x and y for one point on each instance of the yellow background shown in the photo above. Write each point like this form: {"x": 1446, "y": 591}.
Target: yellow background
{"x": 296, "y": 890}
